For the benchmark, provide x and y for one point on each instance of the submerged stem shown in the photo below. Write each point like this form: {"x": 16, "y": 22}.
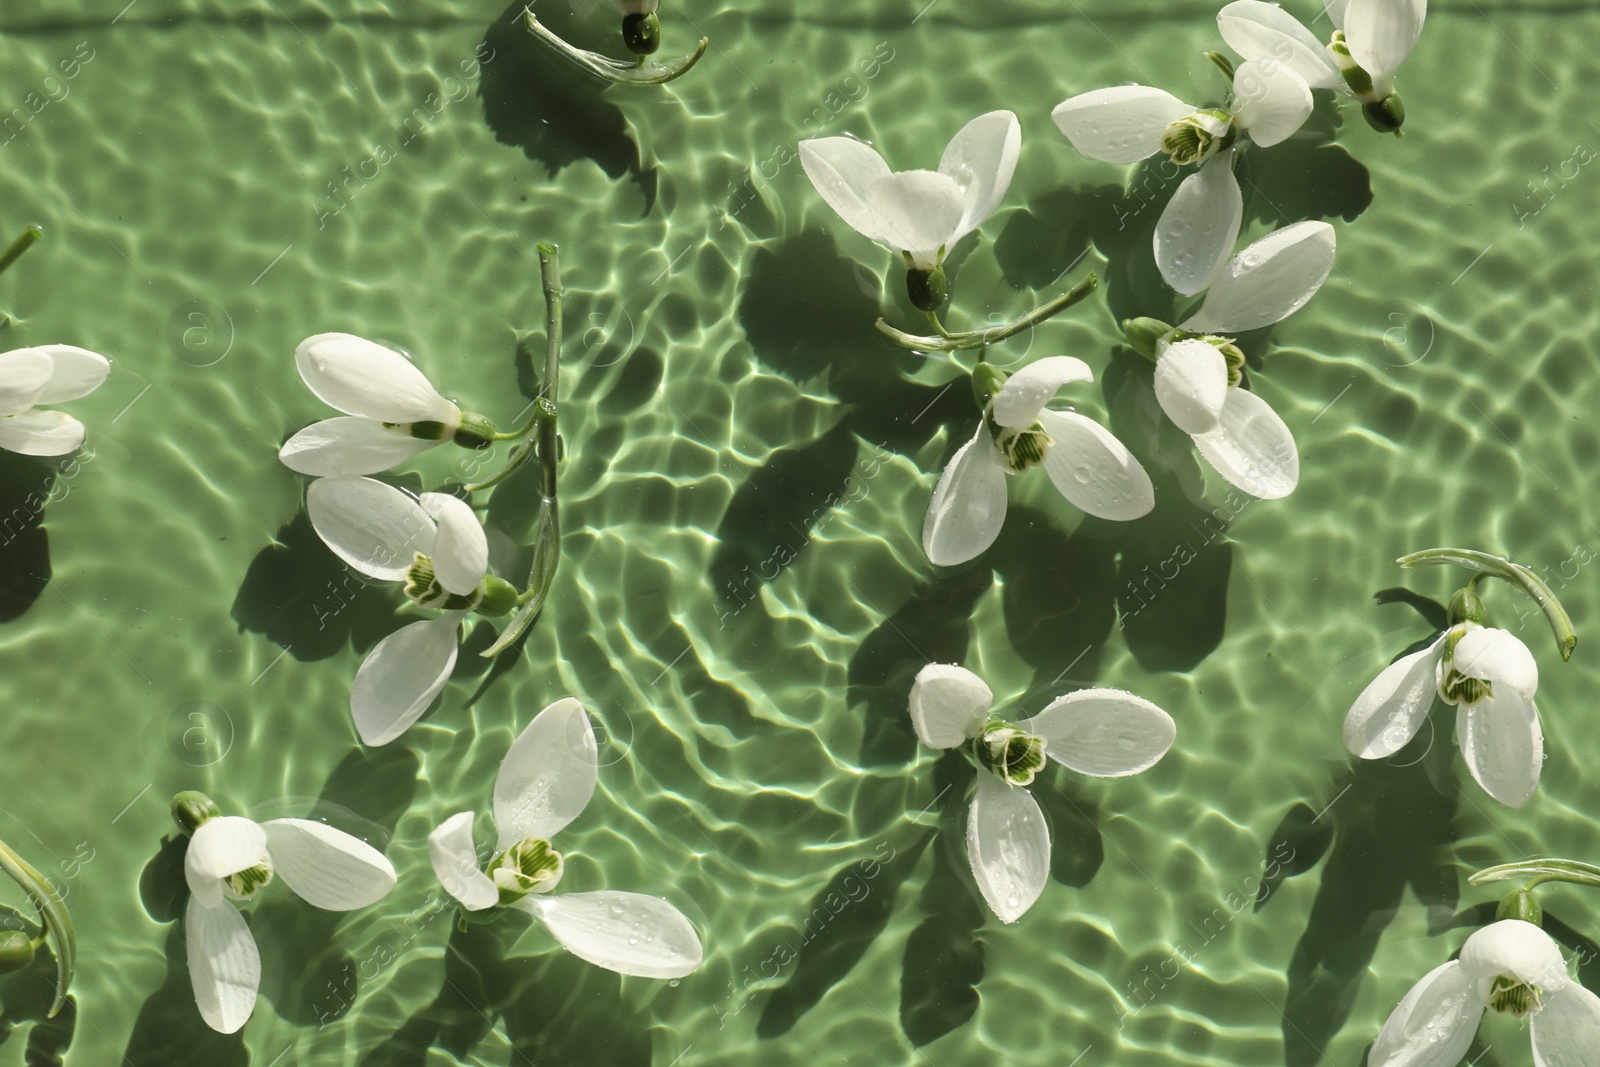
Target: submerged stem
{"x": 24, "y": 241}
{"x": 964, "y": 339}
{"x": 633, "y": 72}
{"x": 544, "y": 443}
{"x": 1499, "y": 567}
{"x": 1547, "y": 869}
{"x": 53, "y": 914}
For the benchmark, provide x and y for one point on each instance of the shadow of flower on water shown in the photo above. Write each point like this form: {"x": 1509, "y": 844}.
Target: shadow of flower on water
{"x": 536, "y": 101}
{"x": 1392, "y": 822}
{"x": 554, "y": 1007}
{"x": 26, "y": 486}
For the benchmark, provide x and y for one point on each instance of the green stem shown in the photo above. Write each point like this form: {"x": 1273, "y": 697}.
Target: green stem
{"x": 52, "y": 912}
{"x": 965, "y": 339}
{"x": 24, "y": 241}
{"x": 1222, "y": 64}
{"x": 546, "y": 444}
{"x": 1499, "y": 567}
{"x": 1549, "y": 869}
{"x": 938, "y": 327}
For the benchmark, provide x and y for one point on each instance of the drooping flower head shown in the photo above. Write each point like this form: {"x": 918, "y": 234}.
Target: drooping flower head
{"x": 1509, "y": 967}
{"x": 1085, "y": 462}
{"x": 918, "y": 214}
{"x": 1106, "y": 733}
{"x": 230, "y": 859}
{"x": 545, "y": 782}
{"x": 46, "y": 374}
{"x": 392, "y": 412}
{"x": 436, "y": 546}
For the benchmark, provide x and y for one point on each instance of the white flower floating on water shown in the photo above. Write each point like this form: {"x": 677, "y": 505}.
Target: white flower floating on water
{"x": 1198, "y": 371}
{"x": 1510, "y": 967}
{"x": 436, "y": 546}
{"x": 1127, "y": 123}
{"x": 1373, "y": 38}
{"x": 918, "y": 214}
{"x": 392, "y": 413}
{"x": 1490, "y": 677}
{"x": 1088, "y": 465}
{"x": 545, "y": 782}
{"x": 230, "y": 859}
{"x": 47, "y": 374}
{"x": 1102, "y": 732}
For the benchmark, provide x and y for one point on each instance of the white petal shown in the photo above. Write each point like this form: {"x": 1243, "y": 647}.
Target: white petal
{"x": 843, "y": 169}
{"x": 1197, "y": 228}
{"x": 1259, "y": 30}
{"x": 1191, "y": 383}
{"x": 1566, "y": 1032}
{"x": 917, "y": 211}
{"x": 629, "y": 933}
{"x": 401, "y": 676}
{"x": 1390, "y": 710}
{"x": 224, "y": 964}
{"x": 1499, "y": 658}
{"x": 374, "y": 527}
{"x": 76, "y": 372}
{"x": 1381, "y": 34}
{"x": 327, "y": 868}
{"x": 349, "y": 446}
{"x": 1122, "y": 124}
{"x": 455, "y": 861}
{"x": 1252, "y": 448}
{"x": 1093, "y": 470}
{"x": 221, "y": 846}
{"x": 460, "y": 550}
{"x": 981, "y": 158}
{"x": 24, "y": 373}
{"x": 1008, "y": 846}
{"x": 948, "y": 705}
{"x": 969, "y": 503}
{"x": 40, "y": 433}
{"x": 1433, "y": 1025}
{"x": 548, "y": 774}
{"x": 1268, "y": 281}
{"x": 1104, "y": 732}
{"x": 1022, "y": 396}
{"x": 1503, "y": 745}
{"x": 359, "y": 377}
{"x": 1517, "y": 948}
{"x": 1271, "y": 101}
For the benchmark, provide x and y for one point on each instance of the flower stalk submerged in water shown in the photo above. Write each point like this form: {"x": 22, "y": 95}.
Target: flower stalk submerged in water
{"x": 545, "y": 782}
{"x": 1106, "y": 733}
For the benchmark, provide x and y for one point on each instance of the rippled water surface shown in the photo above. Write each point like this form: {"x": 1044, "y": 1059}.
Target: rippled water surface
{"x": 743, "y": 599}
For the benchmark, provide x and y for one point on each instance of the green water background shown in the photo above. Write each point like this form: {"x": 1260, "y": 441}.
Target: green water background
{"x": 743, "y": 598}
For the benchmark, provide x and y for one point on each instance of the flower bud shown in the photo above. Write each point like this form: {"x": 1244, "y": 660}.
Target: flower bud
{"x": 475, "y": 432}
{"x": 1386, "y": 115}
{"x": 1144, "y": 336}
{"x": 1519, "y": 904}
{"x": 986, "y": 382}
{"x": 496, "y": 596}
{"x": 927, "y": 289}
{"x": 1466, "y": 606}
{"x": 16, "y": 951}
{"x": 190, "y": 809}
{"x": 641, "y": 33}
